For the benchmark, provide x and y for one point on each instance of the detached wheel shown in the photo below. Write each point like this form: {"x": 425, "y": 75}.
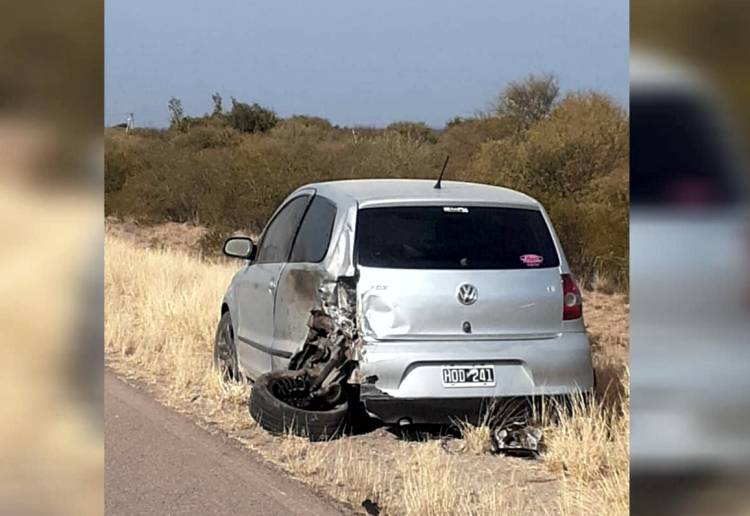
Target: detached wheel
{"x": 280, "y": 417}
{"x": 225, "y": 351}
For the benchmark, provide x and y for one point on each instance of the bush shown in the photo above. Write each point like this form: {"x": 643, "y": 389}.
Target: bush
{"x": 309, "y": 122}
{"x": 308, "y": 128}
{"x": 253, "y": 118}
{"x": 595, "y": 238}
{"x": 574, "y": 160}
{"x": 417, "y": 131}
{"x": 584, "y": 139}
{"x": 212, "y": 242}
{"x": 115, "y": 169}
{"x": 208, "y": 137}
{"x": 463, "y": 140}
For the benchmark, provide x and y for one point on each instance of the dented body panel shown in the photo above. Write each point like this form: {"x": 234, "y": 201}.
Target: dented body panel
{"x": 391, "y": 331}
{"x": 296, "y": 296}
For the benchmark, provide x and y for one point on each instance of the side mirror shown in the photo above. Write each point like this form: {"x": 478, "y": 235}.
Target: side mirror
{"x": 239, "y": 247}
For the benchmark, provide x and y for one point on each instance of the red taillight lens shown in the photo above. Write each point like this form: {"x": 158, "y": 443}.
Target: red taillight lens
{"x": 572, "y": 301}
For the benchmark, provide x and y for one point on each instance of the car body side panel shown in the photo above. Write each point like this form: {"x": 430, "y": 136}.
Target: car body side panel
{"x": 298, "y": 289}
{"x": 339, "y": 261}
{"x": 255, "y": 288}
{"x": 297, "y": 294}
{"x": 564, "y": 268}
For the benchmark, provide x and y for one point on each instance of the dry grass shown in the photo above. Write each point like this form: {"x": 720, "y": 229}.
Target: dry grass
{"x": 609, "y": 495}
{"x": 476, "y": 439}
{"x": 167, "y": 235}
{"x": 430, "y": 487}
{"x": 161, "y": 309}
{"x": 586, "y": 442}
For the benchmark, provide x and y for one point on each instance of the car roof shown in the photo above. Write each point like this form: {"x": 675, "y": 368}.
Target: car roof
{"x": 418, "y": 191}
{"x": 654, "y": 72}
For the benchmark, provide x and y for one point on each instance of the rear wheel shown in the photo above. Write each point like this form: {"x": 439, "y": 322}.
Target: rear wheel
{"x": 225, "y": 351}
{"x": 273, "y": 405}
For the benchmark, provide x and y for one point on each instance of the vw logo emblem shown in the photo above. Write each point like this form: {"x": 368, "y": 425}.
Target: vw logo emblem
{"x": 467, "y": 294}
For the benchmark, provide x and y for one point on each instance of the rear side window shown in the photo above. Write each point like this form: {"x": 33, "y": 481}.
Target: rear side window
{"x": 278, "y": 237}
{"x": 314, "y": 235}
{"x": 454, "y": 237}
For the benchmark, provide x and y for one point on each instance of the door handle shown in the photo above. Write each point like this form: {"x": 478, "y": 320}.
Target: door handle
{"x": 271, "y": 286}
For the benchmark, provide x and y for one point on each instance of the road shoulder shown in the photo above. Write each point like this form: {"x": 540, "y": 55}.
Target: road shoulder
{"x": 160, "y": 462}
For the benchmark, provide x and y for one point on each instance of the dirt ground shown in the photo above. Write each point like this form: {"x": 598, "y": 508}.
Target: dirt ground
{"x": 426, "y": 475}
{"x": 169, "y": 235}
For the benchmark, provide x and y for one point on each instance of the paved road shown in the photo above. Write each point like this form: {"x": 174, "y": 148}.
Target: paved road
{"x": 159, "y": 462}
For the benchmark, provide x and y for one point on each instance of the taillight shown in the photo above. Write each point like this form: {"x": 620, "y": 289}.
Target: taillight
{"x": 572, "y": 300}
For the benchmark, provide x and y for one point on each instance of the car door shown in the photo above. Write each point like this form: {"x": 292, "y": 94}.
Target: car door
{"x": 297, "y": 291}
{"x": 256, "y": 289}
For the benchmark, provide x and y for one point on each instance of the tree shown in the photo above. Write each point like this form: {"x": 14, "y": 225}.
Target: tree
{"x": 527, "y": 101}
{"x": 176, "y": 114}
{"x": 218, "y": 108}
{"x": 253, "y": 118}
{"x": 583, "y": 139}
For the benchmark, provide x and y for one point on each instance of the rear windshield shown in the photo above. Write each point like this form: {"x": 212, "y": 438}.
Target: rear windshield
{"x": 454, "y": 237}
{"x": 678, "y": 157}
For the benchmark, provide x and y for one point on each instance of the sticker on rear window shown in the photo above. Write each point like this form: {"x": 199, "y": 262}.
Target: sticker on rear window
{"x": 532, "y": 260}
{"x": 455, "y": 209}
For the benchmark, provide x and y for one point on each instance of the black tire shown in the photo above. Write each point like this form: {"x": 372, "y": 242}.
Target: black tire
{"x": 225, "y": 350}
{"x": 278, "y": 417}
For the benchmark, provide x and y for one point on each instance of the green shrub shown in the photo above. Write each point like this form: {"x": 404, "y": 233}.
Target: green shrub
{"x": 247, "y": 118}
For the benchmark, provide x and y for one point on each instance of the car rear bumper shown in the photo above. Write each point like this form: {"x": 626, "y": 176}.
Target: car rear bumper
{"x": 408, "y": 375}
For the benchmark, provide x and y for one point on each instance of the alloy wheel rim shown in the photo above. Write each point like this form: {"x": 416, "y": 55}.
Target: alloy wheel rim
{"x": 226, "y": 353}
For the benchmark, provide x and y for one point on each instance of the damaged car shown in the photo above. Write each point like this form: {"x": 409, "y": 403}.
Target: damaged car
{"x": 406, "y": 301}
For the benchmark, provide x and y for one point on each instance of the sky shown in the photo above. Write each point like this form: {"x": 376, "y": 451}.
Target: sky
{"x": 355, "y": 62}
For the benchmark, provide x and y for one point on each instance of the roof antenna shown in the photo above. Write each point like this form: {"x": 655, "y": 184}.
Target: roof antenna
{"x": 440, "y": 179}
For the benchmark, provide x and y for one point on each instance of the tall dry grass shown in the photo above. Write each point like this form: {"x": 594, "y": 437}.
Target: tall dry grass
{"x": 161, "y": 310}
{"x": 588, "y": 445}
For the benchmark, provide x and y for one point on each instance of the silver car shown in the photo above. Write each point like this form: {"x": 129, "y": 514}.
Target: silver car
{"x": 416, "y": 302}
{"x": 689, "y": 227}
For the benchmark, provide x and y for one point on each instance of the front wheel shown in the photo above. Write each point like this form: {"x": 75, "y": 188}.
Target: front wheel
{"x": 225, "y": 351}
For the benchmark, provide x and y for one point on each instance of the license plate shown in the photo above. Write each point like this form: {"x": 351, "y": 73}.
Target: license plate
{"x": 468, "y": 376}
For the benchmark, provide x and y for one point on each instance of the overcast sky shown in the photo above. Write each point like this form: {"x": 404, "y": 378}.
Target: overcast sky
{"x": 351, "y": 61}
